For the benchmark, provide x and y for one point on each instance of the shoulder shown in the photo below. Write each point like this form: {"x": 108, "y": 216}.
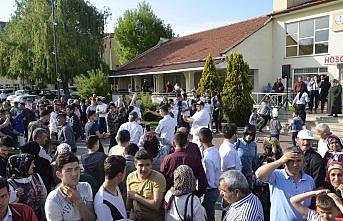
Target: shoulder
{"x": 54, "y": 195}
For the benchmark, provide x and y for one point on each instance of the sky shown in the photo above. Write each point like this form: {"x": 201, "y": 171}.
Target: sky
{"x": 185, "y": 16}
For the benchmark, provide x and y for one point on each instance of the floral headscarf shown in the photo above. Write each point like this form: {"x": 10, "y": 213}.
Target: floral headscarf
{"x": 18, "y": 166}
{"x": 184, "y": 181}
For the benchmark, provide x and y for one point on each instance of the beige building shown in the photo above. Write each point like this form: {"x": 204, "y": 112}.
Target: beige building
{"x": 307, "y": 35}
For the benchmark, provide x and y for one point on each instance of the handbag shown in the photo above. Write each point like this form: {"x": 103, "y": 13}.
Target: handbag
{"x": 185, "y": 216}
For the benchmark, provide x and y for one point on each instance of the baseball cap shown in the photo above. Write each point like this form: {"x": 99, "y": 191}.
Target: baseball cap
{"x": 305, "y": 135}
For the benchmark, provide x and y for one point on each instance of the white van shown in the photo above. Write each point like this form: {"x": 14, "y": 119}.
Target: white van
{"x": 5, "y": 92}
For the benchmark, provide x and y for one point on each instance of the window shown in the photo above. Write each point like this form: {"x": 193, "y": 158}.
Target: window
{"x": 307, "y": 37}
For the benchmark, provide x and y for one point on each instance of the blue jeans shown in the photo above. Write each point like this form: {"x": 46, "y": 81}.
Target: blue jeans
{"x": 209, "y": 203}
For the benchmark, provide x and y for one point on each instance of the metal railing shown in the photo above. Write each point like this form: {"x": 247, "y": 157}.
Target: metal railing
{"x": 276, "y": 99}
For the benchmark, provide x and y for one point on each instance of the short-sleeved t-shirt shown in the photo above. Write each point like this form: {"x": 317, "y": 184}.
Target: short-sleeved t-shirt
{"x": 57, "y": 208}
{"x": 91, "y": 128}
{"x": 102, "y": 211}
{"x": 146, "y": 188}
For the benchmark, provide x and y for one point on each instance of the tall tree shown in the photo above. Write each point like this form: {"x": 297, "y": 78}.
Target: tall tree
{"x": 28, "y": 41}
{"x": 236, "y": 91}
{"x": 210, "y": 81}
{"x": 94, "y": 82}
{"x": 138, "y": 30}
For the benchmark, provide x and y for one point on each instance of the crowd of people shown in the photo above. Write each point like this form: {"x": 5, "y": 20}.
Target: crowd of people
{"x": 161, "y": 174}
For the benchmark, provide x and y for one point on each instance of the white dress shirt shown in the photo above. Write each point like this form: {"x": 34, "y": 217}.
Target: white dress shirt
{"x": 301, "y": 100}
{"x": 135, "y": 130}
{"x": 53, "y": 122}
{"x": 8, "y": 216}
{"x": 229, "y": 156}
{"x": 212, "y": 166}
{"x": 201, "y": 120}
{"x": 166, "y": 128}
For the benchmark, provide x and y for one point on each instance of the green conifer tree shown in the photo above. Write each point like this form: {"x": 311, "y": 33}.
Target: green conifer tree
{"x": 210, "y": 81}
{"x": 236, "y": 91}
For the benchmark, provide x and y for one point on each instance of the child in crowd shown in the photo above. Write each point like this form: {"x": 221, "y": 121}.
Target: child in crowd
{"x": 93, "y": 161}
{"x": 328, "y": 205}
{"x": 253, "y": 117}
{"x": 275, "y": 125}
{"x": 295, "y": 126}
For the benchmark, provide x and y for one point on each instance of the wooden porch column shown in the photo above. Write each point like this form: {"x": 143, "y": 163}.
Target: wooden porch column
{"x": 189, "y": 77}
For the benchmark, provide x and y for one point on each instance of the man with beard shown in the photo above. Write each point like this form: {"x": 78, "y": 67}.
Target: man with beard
{"x": 43, "y": 122}
{"x": 4, "y": 154}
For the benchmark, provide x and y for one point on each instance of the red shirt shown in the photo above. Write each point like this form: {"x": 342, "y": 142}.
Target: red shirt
{"x": 184, "y": 157}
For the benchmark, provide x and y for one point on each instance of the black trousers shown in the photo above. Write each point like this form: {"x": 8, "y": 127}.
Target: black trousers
{"x": 314, "y": 100}
{"x": 266, "y": 118}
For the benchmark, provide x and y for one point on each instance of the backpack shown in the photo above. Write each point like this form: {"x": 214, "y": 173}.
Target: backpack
{"x": 185, "y": 216}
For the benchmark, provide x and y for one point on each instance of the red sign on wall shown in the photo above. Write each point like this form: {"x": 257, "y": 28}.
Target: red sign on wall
{"x": 337, "y": 59}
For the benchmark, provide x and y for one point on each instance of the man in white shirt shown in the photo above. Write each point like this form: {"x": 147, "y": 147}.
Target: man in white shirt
{"x": 212, "y": 166}
{"x": 101, "y": 111}
{"x": 72, "y": 200}
{"x": 136, "y": 130}
{"x": 200, "y": 119}
{"x": 53, "y": 119}
{"x": 229, "y": 156}
{"x": 166, "y": 126}
{"x": 324, "y": 132}
{"x": 108, "y": 201}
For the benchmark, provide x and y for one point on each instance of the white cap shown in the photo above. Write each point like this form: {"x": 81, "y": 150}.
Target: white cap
{"x": 305, "y": 135}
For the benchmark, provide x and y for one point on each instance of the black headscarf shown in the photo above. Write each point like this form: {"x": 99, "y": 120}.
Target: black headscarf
{"x": 18, "y": 166}
{"x": 31, "y": 148}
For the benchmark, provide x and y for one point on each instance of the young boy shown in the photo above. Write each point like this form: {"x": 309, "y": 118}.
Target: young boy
{"x": 212, "y": 166}
{"x": 93, "y": 161}
{"x": 328, "y": 205}
{"x": 275, "y": 125}
{"x": 295, "y": 126}
{"x": 253, "y": 117}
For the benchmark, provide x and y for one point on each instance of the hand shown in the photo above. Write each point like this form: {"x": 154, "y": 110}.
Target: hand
{"x": 288, "y": 156}
{"x": 70, "y": 194}
{"x": 340, "y": 188}
{"x": 131, "y": 195}
{"x": 320, "y": 192}
{"x": 19, "y": 192}
{"x": 335, "y": 198}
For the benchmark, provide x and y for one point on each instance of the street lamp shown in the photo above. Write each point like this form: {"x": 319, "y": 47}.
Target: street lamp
{"x": 54, "y": 26}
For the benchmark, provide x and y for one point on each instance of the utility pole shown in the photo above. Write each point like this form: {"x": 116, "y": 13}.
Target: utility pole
{"x": 54, "y": 25}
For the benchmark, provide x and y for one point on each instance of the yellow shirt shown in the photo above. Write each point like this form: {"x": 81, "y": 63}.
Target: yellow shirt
{"x": 146, "y": 188}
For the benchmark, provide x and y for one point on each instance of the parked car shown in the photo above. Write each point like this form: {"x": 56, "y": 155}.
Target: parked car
{"x": 5, "y": 92}
{"x": 21, "y": 92}
{"x": 43, "y": 92}
{"x": 28, "y": 97}
{"x": 11, "y": 97}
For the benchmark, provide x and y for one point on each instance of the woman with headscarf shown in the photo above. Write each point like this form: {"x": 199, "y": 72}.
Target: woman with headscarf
{"x": 335, "y": 99}
{"x": 27, "y": 185}
{"x": 335, "y": 151}
{"x": 181, "y": 203}
{"x": 42, "y": 162}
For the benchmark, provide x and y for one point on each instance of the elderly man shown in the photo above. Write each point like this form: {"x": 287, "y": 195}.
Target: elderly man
{"x": 285, "y": 183}
{"x": 43, "y": 122}
{"x": 324, "y": 132}
{"x": 136, "y": 130}
{"x": 65, "y": 133}
{"x": 244, "y": 205}
{"x": 313, "y": 162}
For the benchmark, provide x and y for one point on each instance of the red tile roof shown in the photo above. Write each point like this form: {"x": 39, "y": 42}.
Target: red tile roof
{"x": 191, "y": 51}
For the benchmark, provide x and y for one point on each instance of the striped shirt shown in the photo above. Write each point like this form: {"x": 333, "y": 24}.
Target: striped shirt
{"x": 247, "y": 209}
